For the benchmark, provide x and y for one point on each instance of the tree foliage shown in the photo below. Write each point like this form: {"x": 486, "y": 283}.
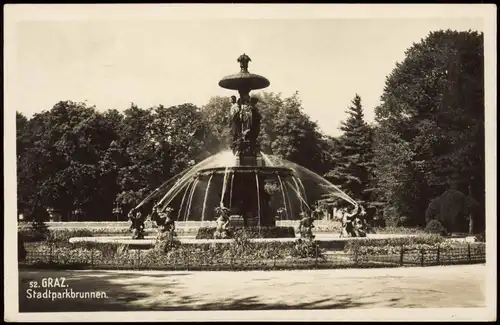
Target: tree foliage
{"x": 431, "y": 123}
{"x": 428, "y": 138}
{"x": 286, "y": 130}
{"x": 353, "y": 163}
{"x": 293, "y": 135}
{"x": 75, "y": 157}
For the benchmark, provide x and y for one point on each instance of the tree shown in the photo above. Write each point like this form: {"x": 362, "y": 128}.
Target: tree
{"x": 454, "y": 210}
{"x": 22, "y": 144}
{"x": 291, "y": 134}
{"x": 60, "y": 168}
{"x": 216, "y": 114}
{"x": 431, "y": 122}
{"x": 353, "y": 157}
{"x": 159, "y": 143}
{"x": 270, "y": 105}
{"x": 286, "y": 131}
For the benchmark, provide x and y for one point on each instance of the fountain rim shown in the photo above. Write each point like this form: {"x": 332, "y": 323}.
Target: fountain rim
{"x": 265, "y": 170}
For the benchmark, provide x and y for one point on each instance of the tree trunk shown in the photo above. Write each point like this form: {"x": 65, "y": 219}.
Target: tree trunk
{"x": 471, "y": 220}
{"x": 471, "y": 224}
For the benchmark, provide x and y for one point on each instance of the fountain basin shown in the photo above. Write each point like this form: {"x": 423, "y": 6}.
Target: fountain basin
{"x": 256, "y": 193}
{"x": 244, "y": 80}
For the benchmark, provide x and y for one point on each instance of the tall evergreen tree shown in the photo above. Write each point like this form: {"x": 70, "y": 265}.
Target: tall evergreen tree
{"x": 353, "y": 157}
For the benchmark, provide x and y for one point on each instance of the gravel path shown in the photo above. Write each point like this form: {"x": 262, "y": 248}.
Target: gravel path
{"x": 444, "y": 286}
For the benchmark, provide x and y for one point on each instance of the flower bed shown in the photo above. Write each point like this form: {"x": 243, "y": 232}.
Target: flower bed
{"x": 421, "y": 250}
{"x": 428, "y": 239}
{"x": 167, "y": 253}
{"x": 242, "y": 254}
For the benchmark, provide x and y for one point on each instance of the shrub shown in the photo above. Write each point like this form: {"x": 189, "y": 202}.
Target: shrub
{"x": 63, "y": 235}
{"x": 21, "y": 250}
{"x": 251, "y": 232}
{"x": 39, "y": 226}
{"x": 356, "y": 245}
{"x": 398, "y": 230}
{"x": 106, "y": 248}
{"x": 31, "y": 234}
{"x": 435, "y": 227}
{"x": 240, "y": 250}
{"x": 452, "y": 208}
{"x": 481, "y": 238}
{"x": 306, "y": 248}
{"x": 391, "y": 216}
{"x": 167, "y": 243}
{"x": 453, "y": 250}
{"x": 60, "y": 253}
{"x": 205, "y": 233}
{"x": 34, "y": 232}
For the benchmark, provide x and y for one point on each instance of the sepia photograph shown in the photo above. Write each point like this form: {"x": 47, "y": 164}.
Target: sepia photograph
{"x": 234, "y": 162}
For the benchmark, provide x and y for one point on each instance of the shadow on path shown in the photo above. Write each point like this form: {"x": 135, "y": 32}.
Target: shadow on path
{"x": 191, "y": 291}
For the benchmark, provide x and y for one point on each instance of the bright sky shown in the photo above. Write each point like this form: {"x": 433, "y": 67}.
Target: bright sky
{"x": 111, "y": 63}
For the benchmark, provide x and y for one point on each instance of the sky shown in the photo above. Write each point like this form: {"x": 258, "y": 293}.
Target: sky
{"x": 111, "y": 63}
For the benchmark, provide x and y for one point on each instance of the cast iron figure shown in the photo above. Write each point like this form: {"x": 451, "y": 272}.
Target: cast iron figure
{"x": 306, "y": 225}
{"x": 137, "y": 225}
{"x": 243, "y": 61}
{"x": 222, "y": 231}
{"x": 165, "y": 222}
{"x": 245, "y": 125}
{"x": 353, "y": 224}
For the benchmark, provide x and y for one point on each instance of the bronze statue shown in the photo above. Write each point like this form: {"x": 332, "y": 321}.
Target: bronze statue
{"x": 137, "y": 226}
{"x": 164, "y": 221}
{"x": 246, "y": 118}
{"x": 235, "y": 120}
{"x": 245, "y": 124}
{"x": 306, "y": 225}
{"x": 255, "y": 121}
{"x": 353, "y": 224}
{"x": 221, "y": 230}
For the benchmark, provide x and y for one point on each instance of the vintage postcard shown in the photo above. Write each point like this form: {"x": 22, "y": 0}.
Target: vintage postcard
{"x": 250, "y": 162}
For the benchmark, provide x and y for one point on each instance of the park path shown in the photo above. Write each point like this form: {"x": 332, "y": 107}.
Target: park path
{"x": 429, "y": 287}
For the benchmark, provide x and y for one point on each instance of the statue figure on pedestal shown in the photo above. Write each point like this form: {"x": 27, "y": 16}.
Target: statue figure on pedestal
{"x": 245, "y": 124}
{"x": 243, "y": 61}
{"x": 221, "y": 230}
{"x": 235, "y": 119}
{"x": 306, "y": 225}
{"x": 137, "y": 226}
{"x": 165, "y": 222}
{"x": 256, "y": 120}
{"x": 353, "y": 224}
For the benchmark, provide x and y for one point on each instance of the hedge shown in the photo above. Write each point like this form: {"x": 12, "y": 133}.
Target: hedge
{"x": 435, "y": 227}
{"x": 251, "y": 232}
{"x": 430, "y": 239}
{"x": 395, "y": 245}
{"x": 167, "y": 253}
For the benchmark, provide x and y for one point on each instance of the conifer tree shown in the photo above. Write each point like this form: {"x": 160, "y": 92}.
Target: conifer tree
{"x": 353, "y": 167}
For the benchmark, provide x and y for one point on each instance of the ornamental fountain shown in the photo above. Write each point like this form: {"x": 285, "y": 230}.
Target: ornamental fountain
{"x": 255, "y": 189}
{"x": 241, "y": 184}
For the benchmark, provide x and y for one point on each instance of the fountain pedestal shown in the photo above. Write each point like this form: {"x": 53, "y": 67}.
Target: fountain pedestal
{"x": 252, "y": 204}
{"x": 245, "y": 115}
